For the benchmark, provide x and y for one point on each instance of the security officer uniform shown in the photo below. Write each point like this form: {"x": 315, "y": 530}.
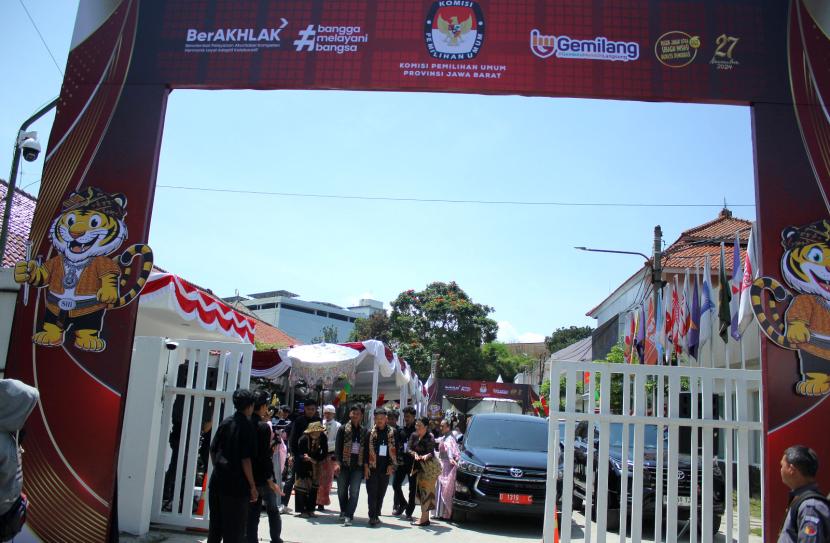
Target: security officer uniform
{"x": 812, "y": 517}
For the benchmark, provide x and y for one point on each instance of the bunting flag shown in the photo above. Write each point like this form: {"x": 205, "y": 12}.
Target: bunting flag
{"x": 630, "y": 335}
{"x": 668, "y": 323}
{"x": 751, "y": 273}
{"x": 675, "y": 315}
{"x": 545, "y": 407}
{"x": 381, "y": 399}
{"x": 660, "y": 339}
{"x": 685, "y": 313}
{"x": 650, "y": 350}
{"x": 707, "y": 304}
{"x": 640, "y": 342}
{"x": 724, "y": 297}
{"x": 735, "y": 288}
{"x": 340, "y": 398}
{"x": 694, "y": 320}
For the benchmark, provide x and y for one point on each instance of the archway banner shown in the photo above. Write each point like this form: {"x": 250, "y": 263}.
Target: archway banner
{"x": 91, "y": 258}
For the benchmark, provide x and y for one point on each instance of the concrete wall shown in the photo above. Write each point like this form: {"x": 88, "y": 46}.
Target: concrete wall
{"x": 8, "y": 298}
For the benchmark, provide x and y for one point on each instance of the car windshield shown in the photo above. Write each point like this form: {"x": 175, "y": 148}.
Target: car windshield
{"x": 508, "y": 434}
{"x": 649, "y": 434}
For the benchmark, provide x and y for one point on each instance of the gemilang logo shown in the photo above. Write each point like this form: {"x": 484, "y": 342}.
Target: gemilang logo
{"x": 234, "y": 39}
{"x": 598, "y": 48}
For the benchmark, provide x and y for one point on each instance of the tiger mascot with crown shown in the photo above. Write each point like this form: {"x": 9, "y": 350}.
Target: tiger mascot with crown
{"x": 82, "y": 280}
{"x": 805, "y": 267}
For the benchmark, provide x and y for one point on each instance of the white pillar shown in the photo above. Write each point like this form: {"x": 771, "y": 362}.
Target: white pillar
{"x": 374, "y": 390}
{"x": 140, "y": 434}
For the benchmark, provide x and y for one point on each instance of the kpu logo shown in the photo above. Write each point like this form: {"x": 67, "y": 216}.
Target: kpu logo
{"x": 454, "y": 29}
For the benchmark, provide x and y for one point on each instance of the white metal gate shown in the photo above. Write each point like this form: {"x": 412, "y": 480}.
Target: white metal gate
{"x": 201, "y": 378}
{"x": 612, "y": 452}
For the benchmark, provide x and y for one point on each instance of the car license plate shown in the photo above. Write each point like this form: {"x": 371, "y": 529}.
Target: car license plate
{"x": 516, "y": 499}
{"x": 682, "y": 501}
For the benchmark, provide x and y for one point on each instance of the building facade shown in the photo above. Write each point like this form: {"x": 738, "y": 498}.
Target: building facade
{"x": 305, "y": 320}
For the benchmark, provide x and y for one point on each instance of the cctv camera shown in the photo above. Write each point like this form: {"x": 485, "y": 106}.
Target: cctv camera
{"x": 30, "y": 149}
{"x": 171, "y": 345}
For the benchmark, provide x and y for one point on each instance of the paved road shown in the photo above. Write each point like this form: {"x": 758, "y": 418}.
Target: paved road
{"x": 326, "y": 528}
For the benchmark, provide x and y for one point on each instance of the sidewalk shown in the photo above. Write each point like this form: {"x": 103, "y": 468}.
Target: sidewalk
{"x": 326, "y": 527}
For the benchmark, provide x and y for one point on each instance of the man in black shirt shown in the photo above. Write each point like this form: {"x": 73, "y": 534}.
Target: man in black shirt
{"x": 263, "y": 470}
{"x": 399, "y": 504}
{"x": 232, "y": 486}
{"x": 350, "y": 454}
{"x": 407, "y": 507}
{"x": 298, "y": 428}
{"x": 380, "y": 464}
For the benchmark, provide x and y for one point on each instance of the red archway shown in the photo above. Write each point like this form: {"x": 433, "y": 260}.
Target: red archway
{"x": 127, "y": 56}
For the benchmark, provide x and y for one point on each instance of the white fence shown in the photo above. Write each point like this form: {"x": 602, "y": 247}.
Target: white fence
{"x": 200, "y": 379}
{"x": 613, "y": 456}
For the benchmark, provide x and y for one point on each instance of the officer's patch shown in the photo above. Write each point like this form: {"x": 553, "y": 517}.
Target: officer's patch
{"x": 809, "y": 529}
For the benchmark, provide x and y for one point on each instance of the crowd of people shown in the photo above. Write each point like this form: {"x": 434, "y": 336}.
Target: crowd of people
{"x": 261, "y": 457}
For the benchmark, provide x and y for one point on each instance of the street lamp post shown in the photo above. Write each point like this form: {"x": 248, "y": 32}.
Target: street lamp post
{"x": 18, "y": 148}
{"x": 656, "y": 266}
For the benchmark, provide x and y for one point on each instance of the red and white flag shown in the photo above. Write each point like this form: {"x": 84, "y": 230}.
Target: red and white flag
{"x": 751, "y": 273}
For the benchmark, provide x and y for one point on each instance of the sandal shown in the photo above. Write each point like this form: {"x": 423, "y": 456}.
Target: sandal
{"x": 425, "y": 523}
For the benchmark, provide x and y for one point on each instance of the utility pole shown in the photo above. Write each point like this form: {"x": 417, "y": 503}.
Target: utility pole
{"x": 657, "y": 267}
{"x": 4, "y": 229}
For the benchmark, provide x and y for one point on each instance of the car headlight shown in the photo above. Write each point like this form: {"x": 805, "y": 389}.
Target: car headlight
{"x": 618, "y": 466}
{"x": 469, "y": 467}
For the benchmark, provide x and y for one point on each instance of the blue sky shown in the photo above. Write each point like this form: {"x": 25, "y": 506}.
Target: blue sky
{"x": 518, "y": 259}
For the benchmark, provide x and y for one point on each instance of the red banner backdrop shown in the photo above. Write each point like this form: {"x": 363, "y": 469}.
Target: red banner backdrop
{"x": 126, "y": 56}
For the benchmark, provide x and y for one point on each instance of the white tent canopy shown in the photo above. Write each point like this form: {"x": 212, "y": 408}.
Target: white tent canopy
{"x": 369, "y": 366}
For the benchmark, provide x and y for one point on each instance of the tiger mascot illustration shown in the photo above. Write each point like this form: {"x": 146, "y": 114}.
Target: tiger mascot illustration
{"x": 805, "y": 267}
{"x": 82, "y": 280}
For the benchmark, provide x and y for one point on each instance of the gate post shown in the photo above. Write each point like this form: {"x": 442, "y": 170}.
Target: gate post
{"x": 140, "y": 434}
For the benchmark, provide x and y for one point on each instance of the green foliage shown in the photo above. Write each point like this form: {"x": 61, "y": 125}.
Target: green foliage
{"x": 442, "y": 320}
{"x": 262, "y": 346}
{"x": 377, "y": 326}
{"x": 498, "y": 360}
{"x": 565, "y": 336}
{"x": 329, "y": 335}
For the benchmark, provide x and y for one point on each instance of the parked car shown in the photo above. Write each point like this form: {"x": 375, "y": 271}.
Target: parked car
{"x": 649, "y": 463}
{"x": 503, "y": 466}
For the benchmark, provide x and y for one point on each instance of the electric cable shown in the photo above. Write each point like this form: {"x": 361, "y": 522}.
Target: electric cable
{"x": 43, "y": 41}
{"x": 440, "y": 200}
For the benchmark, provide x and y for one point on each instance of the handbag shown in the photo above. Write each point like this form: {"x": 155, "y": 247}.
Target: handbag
{"x": 12, "y": 521}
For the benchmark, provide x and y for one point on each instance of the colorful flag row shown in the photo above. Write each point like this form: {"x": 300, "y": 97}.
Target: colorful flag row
{"x": 685, "y": 314}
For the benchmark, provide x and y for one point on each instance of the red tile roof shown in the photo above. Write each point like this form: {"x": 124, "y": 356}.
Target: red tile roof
{"x": 266, "y": 333}
{"x": 20, "y": 223}
{"x": 694, "y": 244}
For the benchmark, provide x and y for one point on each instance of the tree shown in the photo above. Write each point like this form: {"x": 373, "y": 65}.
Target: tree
{"x": 498, "y": 360}
{"x": 442, "y": 320}
{"x": 563, "y": 337}
{"x": 376, "y": 326}
{"x": 329, "y": 335}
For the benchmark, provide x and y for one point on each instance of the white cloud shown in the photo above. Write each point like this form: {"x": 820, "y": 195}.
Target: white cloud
{"x": 509, "y": 334}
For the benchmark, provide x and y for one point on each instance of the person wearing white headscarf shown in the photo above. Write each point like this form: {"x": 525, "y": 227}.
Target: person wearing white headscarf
{"x": 330, "y": 467}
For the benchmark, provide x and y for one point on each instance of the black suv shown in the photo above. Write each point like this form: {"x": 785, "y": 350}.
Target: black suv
{"x": 503, "y": 466}
{"x": 614, "y": 463}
